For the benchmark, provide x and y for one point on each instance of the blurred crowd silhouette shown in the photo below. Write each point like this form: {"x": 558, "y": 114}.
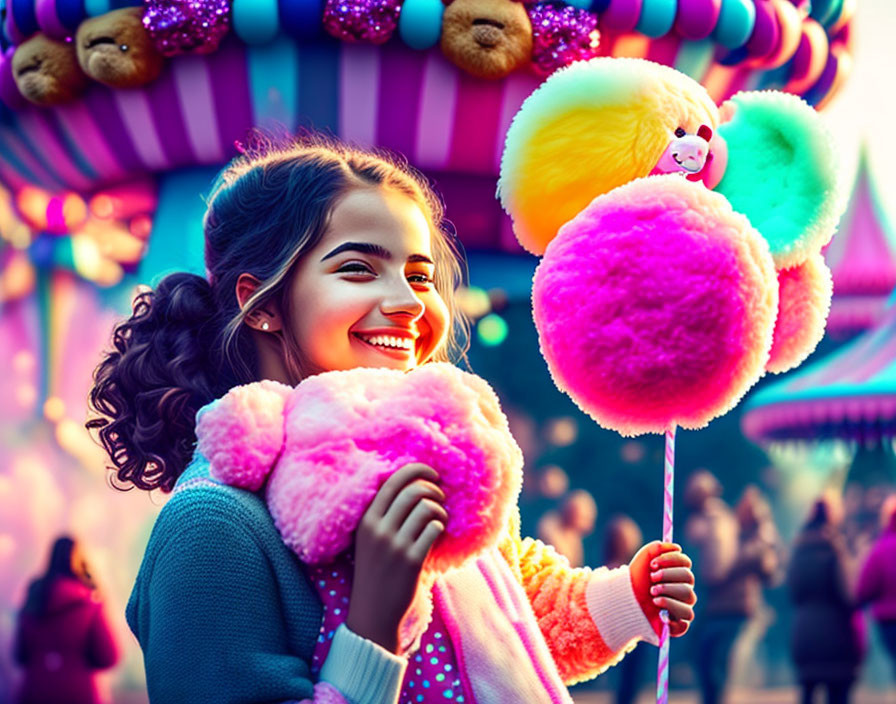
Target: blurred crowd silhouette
{"x": 62, "y": 636}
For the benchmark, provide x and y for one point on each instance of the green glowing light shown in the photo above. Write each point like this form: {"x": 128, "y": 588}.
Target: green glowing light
{"x": 492, "y": 330}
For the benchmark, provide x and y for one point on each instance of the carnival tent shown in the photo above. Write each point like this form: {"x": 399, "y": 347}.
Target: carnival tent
{"x": 862, "y": 259}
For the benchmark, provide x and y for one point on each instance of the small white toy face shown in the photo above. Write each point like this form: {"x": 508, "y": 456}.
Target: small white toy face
{"x": 686, "y": 154}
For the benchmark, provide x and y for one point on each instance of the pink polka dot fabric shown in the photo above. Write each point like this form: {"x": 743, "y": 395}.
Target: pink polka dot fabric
{"x": 432, "y": 674}
{"x": 655, "y": 306}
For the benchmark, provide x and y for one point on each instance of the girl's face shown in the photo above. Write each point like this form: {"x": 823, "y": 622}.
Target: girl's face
{"x": 364, "y": 295}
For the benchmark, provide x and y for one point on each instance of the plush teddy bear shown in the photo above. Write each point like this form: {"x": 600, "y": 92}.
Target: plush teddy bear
{"x": 487, "y": 38}
{"x": 322, "y": 449}
{"x": 46, "y": 71}
{"x": 115, "y": 49}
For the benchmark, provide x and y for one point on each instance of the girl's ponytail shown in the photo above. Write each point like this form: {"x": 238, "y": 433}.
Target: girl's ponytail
{"x": 160, "y": 371}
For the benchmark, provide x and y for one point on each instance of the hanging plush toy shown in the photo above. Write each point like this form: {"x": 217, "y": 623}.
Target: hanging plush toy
{"x": 658, "y": 301}
{"x": 46, "y": 71}
{"x": 487, "y": 38}
{"x": 115, "y": 49}
{"x": 322, "y": 450}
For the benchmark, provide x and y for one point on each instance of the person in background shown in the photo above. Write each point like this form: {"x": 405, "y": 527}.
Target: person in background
{"x": 826, "y": 640}
{"x": 759, "y": 547}
{"x": 567, "y": 528}
{"x": 62, "y": 638}
{"x": 712, "y": 531}
{"x": 877, "y": 581}
{"x": 621, "y": 542}
{"x": 757, "y": 566}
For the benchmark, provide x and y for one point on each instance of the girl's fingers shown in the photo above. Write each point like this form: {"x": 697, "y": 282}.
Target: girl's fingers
{"x": 681, "y": 592}
{"x": 678, "y": 611}
{"x": 409, "y": 497}
{"x": 420, "y": 549}
{"x": 657, "y": 548}
{"x": 425, "y": 511}
{"x": 670, "y": 559}
{"x": 673, "y": 574}
{"x": 395, "y": 483}
{"x": 678, "y": 628}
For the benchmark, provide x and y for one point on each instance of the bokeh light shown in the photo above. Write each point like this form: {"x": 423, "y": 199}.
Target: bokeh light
{"x": 553, "y": 481}
{"x": 54, "y": 409}
{"x": 17, "y": 279}
{"x": 632, "y": 451}
{"x": 492, "y": 330}
{"x": 562, "y": 432}
{"x": 473, "y": 301}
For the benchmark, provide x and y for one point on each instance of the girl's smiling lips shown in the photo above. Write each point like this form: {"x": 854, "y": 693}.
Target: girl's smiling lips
{"x": 395, "y": 342}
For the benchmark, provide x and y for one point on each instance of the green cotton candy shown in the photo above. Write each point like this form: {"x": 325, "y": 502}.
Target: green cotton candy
{"x": 782, "y": 173}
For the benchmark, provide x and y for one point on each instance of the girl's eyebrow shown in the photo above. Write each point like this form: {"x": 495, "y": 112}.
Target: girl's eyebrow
{"x": 373, "y": 250}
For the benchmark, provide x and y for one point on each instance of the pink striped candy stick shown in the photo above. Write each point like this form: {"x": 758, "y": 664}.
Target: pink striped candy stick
{"x": 662, "y": 675}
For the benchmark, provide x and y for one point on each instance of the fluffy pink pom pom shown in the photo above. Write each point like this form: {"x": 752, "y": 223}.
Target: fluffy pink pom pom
{"x": 347, "y": 431}
{"x": 655, "y": 306}
{"x": 329, "y": 444}
{"x": 804, "y": 294}
{"x": 241, "y": 433}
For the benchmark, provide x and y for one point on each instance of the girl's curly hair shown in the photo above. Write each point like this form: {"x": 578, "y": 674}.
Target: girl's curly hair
{"x": 185, "y": 343}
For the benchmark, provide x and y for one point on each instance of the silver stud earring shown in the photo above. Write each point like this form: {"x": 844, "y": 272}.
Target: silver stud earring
{"x": 265, "y": 325}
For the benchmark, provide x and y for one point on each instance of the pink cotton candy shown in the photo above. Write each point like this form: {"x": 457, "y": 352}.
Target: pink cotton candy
{"x": 347, "y": 431}
{"x": 804, "y": 294}
{"x": 655, "y": 306}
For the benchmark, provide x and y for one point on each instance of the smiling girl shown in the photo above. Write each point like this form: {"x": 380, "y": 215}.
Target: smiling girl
{"x": 325, "y": 257}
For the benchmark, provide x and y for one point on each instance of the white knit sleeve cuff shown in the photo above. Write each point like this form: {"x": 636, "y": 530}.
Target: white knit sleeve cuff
{"x": 364, "y": 672}
{"x": 615, "y": 610}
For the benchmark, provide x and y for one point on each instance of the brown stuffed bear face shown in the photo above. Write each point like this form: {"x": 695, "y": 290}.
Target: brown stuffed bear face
{"x": 116, "y": 50}
{"x": 487, "y": 38}
{"x": 46, "y": 71}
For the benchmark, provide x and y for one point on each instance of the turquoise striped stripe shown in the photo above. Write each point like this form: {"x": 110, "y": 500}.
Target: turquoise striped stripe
{"x": 273, "y": 82}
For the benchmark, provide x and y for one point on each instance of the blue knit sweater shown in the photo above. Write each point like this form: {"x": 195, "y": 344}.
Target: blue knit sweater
{"x": 224, "y": 612}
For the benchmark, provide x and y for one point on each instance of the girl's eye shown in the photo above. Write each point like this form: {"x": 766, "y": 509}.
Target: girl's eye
{"x": 679, "y": 132}
{"x": 354, "y": 268}
{"x": 419, "y": 279}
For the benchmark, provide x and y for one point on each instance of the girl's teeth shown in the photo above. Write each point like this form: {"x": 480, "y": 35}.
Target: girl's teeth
{"x": 388, "y": 341}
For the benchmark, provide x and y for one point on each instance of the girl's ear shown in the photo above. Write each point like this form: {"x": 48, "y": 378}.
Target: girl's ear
{"x": 781, "y": 173}
{"x": 267, "y": 317}
{"x": 242, "y": 433}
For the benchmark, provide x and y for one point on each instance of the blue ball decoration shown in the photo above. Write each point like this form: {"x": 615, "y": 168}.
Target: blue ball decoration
{"x": 420, "y": 23}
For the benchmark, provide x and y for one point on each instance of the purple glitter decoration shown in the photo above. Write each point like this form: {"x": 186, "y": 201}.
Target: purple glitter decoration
{"x": 561, "y": 34}
{"x": 371, "y": 21}
{"x": 186, "y": 26}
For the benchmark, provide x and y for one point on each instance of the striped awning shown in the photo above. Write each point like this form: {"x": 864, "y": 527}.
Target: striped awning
{"x": 850, "y": 394}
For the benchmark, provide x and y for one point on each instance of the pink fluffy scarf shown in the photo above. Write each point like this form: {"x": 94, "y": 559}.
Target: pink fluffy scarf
{"x": 321, "y": 450}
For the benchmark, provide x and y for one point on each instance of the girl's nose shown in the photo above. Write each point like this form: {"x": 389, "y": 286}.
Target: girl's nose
{"x": 402, "y": 301}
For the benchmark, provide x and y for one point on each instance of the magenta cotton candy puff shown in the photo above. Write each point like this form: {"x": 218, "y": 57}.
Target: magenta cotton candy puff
{"x": 241, "y": 434}
{"x": 804, "y": 294}
{"x": 347, "y": 431}
{"x": 655, "y": 306}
